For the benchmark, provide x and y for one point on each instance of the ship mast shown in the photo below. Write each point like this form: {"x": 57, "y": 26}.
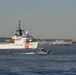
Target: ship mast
{"x": 19, "y": 25}
{"x": 19, "y": 29}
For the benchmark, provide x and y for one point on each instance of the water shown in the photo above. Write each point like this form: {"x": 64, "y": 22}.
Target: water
{"x": 61, "y": 61}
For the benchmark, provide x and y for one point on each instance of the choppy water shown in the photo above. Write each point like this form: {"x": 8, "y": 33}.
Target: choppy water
{"x": 61, "y": 61}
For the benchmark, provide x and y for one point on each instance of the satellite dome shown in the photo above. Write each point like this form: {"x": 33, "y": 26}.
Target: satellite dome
{"x": 27, "y": 33}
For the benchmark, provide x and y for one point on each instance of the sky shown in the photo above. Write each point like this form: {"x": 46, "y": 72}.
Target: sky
{"x": 45, "y": 19}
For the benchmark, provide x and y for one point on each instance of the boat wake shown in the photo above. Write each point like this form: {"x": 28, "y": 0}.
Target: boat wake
{"x": 28, "y": 53}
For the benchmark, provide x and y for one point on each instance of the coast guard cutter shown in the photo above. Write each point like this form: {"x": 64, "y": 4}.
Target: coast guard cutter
{"x": 20, "y": 41}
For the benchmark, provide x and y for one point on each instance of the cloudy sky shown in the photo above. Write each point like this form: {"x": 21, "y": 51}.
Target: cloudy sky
{"x": 51, "y": 19}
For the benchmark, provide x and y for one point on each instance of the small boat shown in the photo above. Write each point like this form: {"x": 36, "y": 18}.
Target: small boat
{"x": 43, "y": 51}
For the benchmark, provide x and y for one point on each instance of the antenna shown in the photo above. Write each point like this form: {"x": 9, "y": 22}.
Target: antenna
{"x": 12, "y": 30}
{"x": 24, "y": 29}
{"x": 19, "y": 25}
{"x": 30, "y": 30}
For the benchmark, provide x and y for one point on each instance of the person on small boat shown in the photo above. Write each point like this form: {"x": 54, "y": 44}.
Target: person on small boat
{"x": 42, "y": 50}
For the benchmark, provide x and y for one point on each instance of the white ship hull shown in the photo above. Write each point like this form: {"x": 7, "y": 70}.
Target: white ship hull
{"x": 19, "y": 46}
